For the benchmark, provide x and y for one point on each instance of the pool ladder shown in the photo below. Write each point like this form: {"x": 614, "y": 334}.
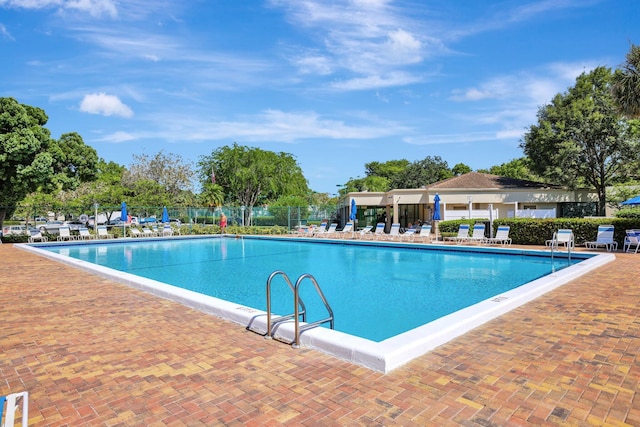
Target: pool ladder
{"x": 299, "y": 308}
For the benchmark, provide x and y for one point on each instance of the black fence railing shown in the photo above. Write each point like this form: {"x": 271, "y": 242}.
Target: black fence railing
{"x": 285, "y": 216}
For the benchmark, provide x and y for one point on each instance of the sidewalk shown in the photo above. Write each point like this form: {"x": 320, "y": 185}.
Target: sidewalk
{"x": 94, "y": 352}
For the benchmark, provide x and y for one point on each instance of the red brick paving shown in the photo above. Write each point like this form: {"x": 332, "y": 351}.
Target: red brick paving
{"x": 94, "y": 352}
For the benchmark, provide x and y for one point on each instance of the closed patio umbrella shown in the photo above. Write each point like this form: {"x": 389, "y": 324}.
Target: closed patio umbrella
{"x": 436, "y": 214}
{"x": 354, "y": 210}
{"x": 123, "y": 217}
{"x": 165, "y": 215}
{"x": 436, "y": 208}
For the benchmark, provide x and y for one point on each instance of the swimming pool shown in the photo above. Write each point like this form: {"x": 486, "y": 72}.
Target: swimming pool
{"x": 378, "y": 294}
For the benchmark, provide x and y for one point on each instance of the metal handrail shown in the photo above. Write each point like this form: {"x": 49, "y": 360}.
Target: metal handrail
{"x": 296, "y": 297}
{"x": 296, "y": 313}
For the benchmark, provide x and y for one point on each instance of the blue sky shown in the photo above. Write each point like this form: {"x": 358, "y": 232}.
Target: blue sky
{"x": 335, "y": 83}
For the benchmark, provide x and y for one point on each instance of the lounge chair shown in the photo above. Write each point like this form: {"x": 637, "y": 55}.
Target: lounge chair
{"x": 394, "y": 232}
{"x": 36, "y": 235}
{"x": 408, "y": 234}
{"x": 65, "y": 234}
{"x": 478, "y": 234}
{"x": 632, "y": 240}
{"x": 134, "y": 232}
{"x": 103, "y": 233}
{"x": 330, "y": 231}
{"x": 379, "y": 231}
{"x": 12, "y": 400}
{"x": 463, "y": 234}
{"x": 364, "y": 232}
{"x": 502, "y": 236}
{"x": 167, "y": 231}
{"x": 83, "y": 234}
{"x": 562, "y": 237}
{"x": 424, "y": 234}
{"x": 604, "y": 239}
{"x": 347, "y": 231}
{"x": 321, "y": 229}
{"x": 147, "y": 232}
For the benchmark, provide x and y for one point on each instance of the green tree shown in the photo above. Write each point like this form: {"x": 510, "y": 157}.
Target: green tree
{"x": 369, "y": 183}
{"x": 289, "y": 210}
{"x": 392, "y": 170}
{"x": 250, "y": 176}
{"x": 25, "y": 160}
{"x": 171, "y": 172}
{"x": 580, "y": 137}
{"x": 626, "y": 84}
{"x": 74, "y": 162}
{"x": 424, "y": 172}
{"x": 516, "y": 168}
{"x": 460, "y": 169}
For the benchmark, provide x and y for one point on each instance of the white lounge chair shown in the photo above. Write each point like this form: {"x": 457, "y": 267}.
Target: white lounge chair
{"x": 36, "y": 236}
{"x": 394, "y": 232}
{"x": 167, "y": 231}
{"x": 330, "y": 231}
{"x": 65, "y": 233}
{"x": 13, "y": 400}
{"x": 134, "y": 232}
{"x": 347, "y": 231}
{"x": 364, "y": 232}
{"x": 604, "y": 239}
{"x": 408, "y": 234}
{"x": 103, "y": 233}
{"x": 83, "y": 234}
{"x": 478, "y": 234}
{"x": 424, "y": 234}
{"x": 463, "y": 234}
{"x": 379, "y": 231}
{"x": 321, "y": 229}
{"x": 502, "y": 236}
{"x": 562, "y": 237}
{"x": 147, "y": 232}
{"x": 632, "y": 240}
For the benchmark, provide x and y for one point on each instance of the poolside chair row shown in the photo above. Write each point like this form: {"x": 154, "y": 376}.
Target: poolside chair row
{"x": 368, "y": 232}
{"x": 478, "y": 235}
{"x": 166, "y": 231}
{"x": 409, "y": 235}
{"x": 560, "y": 238}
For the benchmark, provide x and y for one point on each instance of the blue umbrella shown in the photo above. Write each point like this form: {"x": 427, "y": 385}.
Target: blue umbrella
{"x": 123, "y": 217}
{"x": 436, "y": 208}
{"x": 123, "y": 212}
{"x": 632, "y": 201}
{"x": 165, "y": 215}
{"x": 354, "y": 209}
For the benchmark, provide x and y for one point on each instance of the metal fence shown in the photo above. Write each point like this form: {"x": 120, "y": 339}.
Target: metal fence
{"x": 286, "y": 216}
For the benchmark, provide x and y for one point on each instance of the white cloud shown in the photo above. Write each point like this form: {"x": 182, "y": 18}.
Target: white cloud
{"x": 118, "y": 137}
{"x": 398, "y": 78}
{"x": 106, "y": 105}
{"x": 366, "y": 39}
{"x": 5, "y": 33}
{"x": 92, "y": 7}
{"x": 266, "y": 126}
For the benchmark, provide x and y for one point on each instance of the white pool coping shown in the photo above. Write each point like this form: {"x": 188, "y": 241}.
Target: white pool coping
{"x": 381, "y": 356}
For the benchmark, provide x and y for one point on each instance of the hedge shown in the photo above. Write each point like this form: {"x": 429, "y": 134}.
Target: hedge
{"x": 528, "y": 231}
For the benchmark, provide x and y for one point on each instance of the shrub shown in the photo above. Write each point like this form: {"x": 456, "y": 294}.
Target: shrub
{"x": 528, "y": 231}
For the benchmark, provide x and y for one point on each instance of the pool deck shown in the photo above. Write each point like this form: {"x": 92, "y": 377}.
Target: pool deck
{"x": 94, "y": 352}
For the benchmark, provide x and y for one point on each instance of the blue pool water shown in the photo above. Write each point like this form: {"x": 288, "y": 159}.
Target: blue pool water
{"x": 375, "y": 292}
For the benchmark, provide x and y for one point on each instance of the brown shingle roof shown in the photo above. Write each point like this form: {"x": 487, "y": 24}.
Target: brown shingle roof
{"x": 487, "y": 181}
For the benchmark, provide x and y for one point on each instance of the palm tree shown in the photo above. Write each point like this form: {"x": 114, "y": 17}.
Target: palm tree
{"x": 626, "y": 84}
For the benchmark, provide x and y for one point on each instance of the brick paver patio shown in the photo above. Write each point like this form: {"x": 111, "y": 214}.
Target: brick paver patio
{"x": 94, "y": 352}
